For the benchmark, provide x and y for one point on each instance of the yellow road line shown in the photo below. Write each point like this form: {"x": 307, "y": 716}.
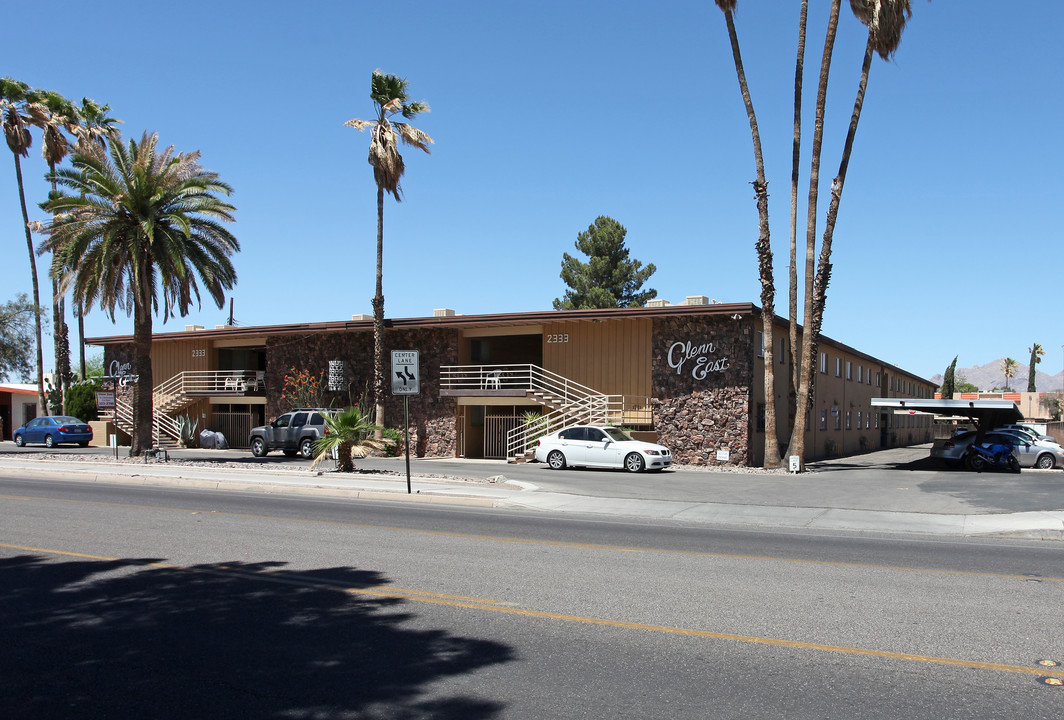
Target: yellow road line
{"x": 474, "y": 604}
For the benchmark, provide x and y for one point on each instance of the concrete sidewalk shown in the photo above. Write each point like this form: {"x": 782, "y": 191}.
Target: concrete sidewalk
{"x": 495, "y": 491}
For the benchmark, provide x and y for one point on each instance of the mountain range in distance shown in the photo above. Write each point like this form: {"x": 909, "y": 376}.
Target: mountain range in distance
{"x": 989, "y": 376}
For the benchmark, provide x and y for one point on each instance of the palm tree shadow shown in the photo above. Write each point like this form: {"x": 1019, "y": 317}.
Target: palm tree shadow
{"x": 136, "y": 638}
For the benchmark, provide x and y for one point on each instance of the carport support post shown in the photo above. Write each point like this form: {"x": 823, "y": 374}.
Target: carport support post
{"x": 406, "y": 437}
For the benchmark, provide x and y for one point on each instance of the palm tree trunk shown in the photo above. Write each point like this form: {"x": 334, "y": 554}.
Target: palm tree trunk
{"x": 42, "y": 403}
{"x": 81, "y": 339}
{"x": 824, "y": 264}
{"x": 764, "y": 254}
{"x": 808, "y": 358}
{"x": 799, "y": 69}
{"x": 60, "y": 332}
{"x": 378, "y": 323}
{"x": 143, "y": 405}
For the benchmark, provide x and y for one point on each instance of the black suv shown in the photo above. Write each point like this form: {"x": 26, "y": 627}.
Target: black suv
{"x": 294, "y": 433}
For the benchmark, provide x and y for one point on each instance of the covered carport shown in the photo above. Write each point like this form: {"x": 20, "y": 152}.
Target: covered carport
{"x": 984, "y": 414}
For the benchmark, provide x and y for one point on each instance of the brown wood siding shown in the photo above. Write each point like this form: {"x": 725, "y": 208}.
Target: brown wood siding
{"x": 170, "y": 358}
{"x": 612, "y": 357}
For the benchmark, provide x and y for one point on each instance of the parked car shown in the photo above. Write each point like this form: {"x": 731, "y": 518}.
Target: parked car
{"x": 600, "y": 446}
{"x": 53, "y": 430}
{"x": 1047, "y": 453}
{"x": 1030, "y": 454}
{"x": 293, "y": 433}
{"x": 1027, "y": 430}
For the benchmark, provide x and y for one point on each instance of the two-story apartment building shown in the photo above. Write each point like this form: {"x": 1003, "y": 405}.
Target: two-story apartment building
{"x": 689, "y": 375}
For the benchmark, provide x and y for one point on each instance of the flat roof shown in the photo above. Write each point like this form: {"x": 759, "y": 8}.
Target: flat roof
{"x": 992, "y": 412}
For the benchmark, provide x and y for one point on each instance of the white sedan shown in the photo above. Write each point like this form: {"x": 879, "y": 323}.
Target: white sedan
{"x": 600, "y": 446}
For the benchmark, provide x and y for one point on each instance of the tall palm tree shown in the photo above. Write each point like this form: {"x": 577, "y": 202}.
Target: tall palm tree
{"x": 796, "y": 147}
{"x": 55, "y": 115}
{"x": 93, "y": 130}
{"x": 390, "y": 98}
{"x": 1037, "y": 352}
{"x": 763, "y": 245}
{"x": 14, "y": 97}
{"x": 885, "y": 20}
{"x": 135, "y": 232}
{"x": 1008, "y": 369}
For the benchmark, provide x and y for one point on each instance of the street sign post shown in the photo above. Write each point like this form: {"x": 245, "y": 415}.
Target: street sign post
{"x": 406, "y": 381}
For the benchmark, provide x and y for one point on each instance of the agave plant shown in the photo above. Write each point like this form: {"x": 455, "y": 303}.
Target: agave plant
{"x": 188, "y": 429}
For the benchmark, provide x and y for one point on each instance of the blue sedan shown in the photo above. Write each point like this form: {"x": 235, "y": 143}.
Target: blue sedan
{"x": 53, "y": 430}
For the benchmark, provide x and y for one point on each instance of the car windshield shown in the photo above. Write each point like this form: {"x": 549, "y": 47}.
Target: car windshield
{"x": 616, "y": 435}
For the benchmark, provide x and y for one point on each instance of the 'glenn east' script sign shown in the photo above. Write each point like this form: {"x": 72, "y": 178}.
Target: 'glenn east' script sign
{"x": 700, "y": 355}
{"x": 120, "y": 373}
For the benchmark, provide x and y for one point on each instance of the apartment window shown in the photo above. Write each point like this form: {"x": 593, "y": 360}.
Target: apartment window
{"x": 860, "y": 373}
{"x": 783, "y": 350}
{"x": 838, "y": 367}
{"x": 878, "y": 381}
{"x": 823, "y": 419}
{"x": 824, "y": 363}
{"x": 849, "y": 423}
{"x": 838, "y": 419}
{"x": 858, "y": 419}
{"x": 760, "y": 423}
{"x": 849, "y": 370}
{"x": 760, "y": 344}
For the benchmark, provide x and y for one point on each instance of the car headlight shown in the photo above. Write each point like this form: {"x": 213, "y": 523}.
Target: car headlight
{"x": 652, "y": 452}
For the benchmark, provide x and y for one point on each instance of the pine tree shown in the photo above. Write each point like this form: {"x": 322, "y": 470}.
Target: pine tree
{"x": 608, "y": 279}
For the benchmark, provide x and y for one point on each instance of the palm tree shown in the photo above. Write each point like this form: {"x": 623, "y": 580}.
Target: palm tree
{"x": 390, "y": 97}
{"x": 1037, "y": 352}
{"x": 763, "y": 245}
{"x": 53, "y": 114}
{"x": 350, "y": 434}
{"x": 796, "y": 146}
{"x": 93, "y": 130}
{"x": 14, "y": 96}
{"x": 137, "y": 230}
{"x": 885, "y": 20}
{"x": 1008, "y": 369}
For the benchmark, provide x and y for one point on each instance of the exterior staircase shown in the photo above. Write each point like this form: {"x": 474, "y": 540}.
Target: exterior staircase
{"x": 176, "y": 394}
{"x": 570, "y": 402}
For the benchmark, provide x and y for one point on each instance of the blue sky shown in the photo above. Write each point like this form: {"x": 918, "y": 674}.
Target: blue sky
{"x": 548, "y": 114}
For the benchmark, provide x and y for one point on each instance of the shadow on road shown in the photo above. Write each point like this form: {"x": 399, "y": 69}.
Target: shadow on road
{"x": 129, "y": 638}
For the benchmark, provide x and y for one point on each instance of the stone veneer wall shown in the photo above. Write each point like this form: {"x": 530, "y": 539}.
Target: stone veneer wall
{"x": 697, "y": 416}
{"x": 433, "y": 432}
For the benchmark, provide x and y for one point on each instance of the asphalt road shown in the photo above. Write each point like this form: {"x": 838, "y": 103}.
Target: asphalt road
{"x": 121, "y": 601}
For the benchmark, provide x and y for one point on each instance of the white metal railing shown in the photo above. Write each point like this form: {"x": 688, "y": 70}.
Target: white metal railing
{"x": 572, "y": 402}
{"x": 175, "y": 394}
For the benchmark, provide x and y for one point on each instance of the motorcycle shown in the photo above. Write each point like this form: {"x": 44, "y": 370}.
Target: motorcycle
{"x": 978, "y": 458}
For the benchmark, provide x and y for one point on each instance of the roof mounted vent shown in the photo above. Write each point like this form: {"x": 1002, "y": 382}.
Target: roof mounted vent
{"x": 657, "y": 302}
{"x": 443, "y": 312}
{"x": 361, "y": 316}
{"x": 193, "y": 328}
{"x": 696, "y": 300}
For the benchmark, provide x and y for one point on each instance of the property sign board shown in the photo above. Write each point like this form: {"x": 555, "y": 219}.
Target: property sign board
{"x": 105, "y": 399}
{"x": 406, "y": 378}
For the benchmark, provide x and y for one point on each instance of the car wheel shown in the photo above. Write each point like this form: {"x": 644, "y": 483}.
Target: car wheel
{"x": 633, "y": 462}
{"x": 19, "y": 441}
{"x": 306, "y": 448}
{"x": 1014, "y": 464}
{"x": 49, "y": 441}
{"x": 258, "y": 447}
{"x": 556, "y": 460}
{"x": 1046, "y": 462}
